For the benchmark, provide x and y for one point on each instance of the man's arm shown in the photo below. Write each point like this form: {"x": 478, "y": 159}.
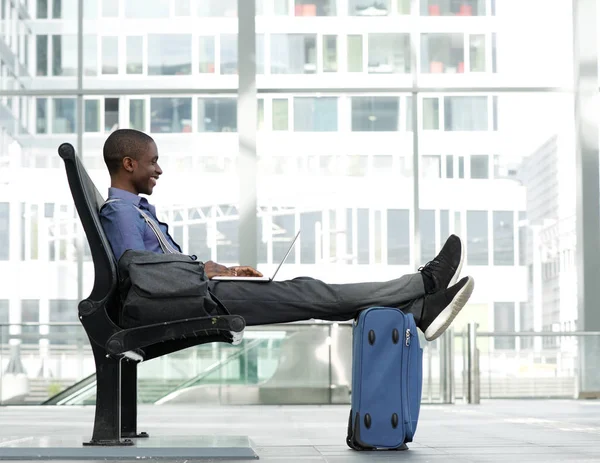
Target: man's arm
{"x": 123, "y": 227}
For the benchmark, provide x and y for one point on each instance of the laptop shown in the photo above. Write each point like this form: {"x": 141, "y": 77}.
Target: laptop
{"x": 263, "y": 278}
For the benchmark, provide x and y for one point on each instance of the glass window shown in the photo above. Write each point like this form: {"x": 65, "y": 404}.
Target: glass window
{"x": 260, "y": 53}
{"x": 64, "y": 115}
{"x": 477, "y": 238}
{"x": 41, "y": 55}
{"x": 110, "y": 8}
{"x": 480, "y": 166}
{"x": 217, "y": 115}
{"x": 504, "y": 321}
{"x": 389, "y": 53}
{"x": 308, "y": 244}
{"x": 312, "y": 114}
{"x": 260, "y": 113}
{"x": 368, "y": 7}
{"x": 477, "y": 52}
{"x": 461, "y": 167}
{"x": 281, "y": 7}
{"x": 431, "y": 166}
{"x": 504, "y": 238}
{"x": 111, "y": 114}
{"x": 330, "y": 60}
{"x": 169, "y": 54}
{"x": 427, "y": 232}
{"x": 110, "y": 55}
{"x": 182, "y": 8}
{"x": 229, "y": 54}
{"x": 4, "y": 230}
{"x": 281, "y": 114}
{"x": 64, "y": 55}
{"x": 30, "y": 313}
{"x": 375, "y": 114}
{"x": 90, "y": 55}
{"x": 41, "y": 9}
{"x": 362, "y": 235}
{"x": 62, "y": 311}
{"x": 147, "y": 9}
{"x": 170, "y": 115}
{"x": 450, "y": 166}
{"x": 207, "y": 54}
{"x": 64, "y": 9}
{"x": 226, "y": 8}
{"x": 442, "y": 53}
{"x": 444, "y": 225}
{"x": 135, "y": 55}
{"x": 41, "y": 124}
{"x": 465, "y": 113}
{"x": 315, "y": 7}
{"x": 91, "y": 116}
{"x": 137, "y": 114}
{"x": 453, "y": 8}
{"x": 4, "y": 320}
{"x": 293, "y": 53}
{"x": 355, "y": 53}
{"x": 431, "y": 114}
{"x": 398, "y": 237}
{"x": 90, "y": 9}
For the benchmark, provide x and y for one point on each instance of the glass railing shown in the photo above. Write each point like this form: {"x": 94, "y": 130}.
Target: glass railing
{"x": 296, "y": 363}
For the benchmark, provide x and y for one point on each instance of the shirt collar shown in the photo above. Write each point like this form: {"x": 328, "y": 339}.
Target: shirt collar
{"x": 117, "y": 193}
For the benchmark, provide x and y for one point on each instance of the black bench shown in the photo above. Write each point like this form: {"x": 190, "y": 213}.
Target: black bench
{"x": 117, "y": 351}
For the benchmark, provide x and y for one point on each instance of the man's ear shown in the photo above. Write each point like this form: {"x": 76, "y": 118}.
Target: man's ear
{"x": 128, "y": 164}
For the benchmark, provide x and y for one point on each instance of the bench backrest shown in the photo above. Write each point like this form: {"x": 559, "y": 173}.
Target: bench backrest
{"x": 88, "y": 201}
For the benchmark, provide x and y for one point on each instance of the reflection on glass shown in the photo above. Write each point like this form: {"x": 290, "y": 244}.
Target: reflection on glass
{"x": 398, "y": 236}
{"x": 90, "y": 9}
{"x": 281, "y": 7}
{"x": 229, "y": 54}
{"x": 293, "y": 53}
{"x": 137, "y": 114}
{"x": 330, "y": 53}
{"x": 91, "y": 116}
{"x": 226, "y": 8}
{"x": 41, "y": 125}
{"x": 389, "y": 53}
{"x": 466, "y": 113}
{"x": 504, "y": 321}
{"x": 64, "y": 58}
{"x": 90, "y": 55}
{"x": 182, "y": 8}
{"x": 480, "y": 166}
{"x": 111, "y": 114}
{"x": 431, "y": 166}
{"x": 369, "y": 7}
{"x": 146, "y": 9}
{"x": 41, "y": 55}
{"x": 171, "y": 54}
{"x": 355, "y": 53}
{"x": 453, "y": 8}
{"x": 206, "y": 54}
{"x": 504, "y": 238}
{"x": 427, "y": 234}
{"x": 442, "y": 53}
{"x": 280, "y": 114}
{"x": 110, "y": 55}
{"x": 314, "y": 7}
{"x": 63, "y": 115}
{"x": 477, "y": 52}
{"x": 170, "y": 115}
{"x": 314, "y": 114}
{"x": 477, "y": 238}
{"x": 135, "y": 55}
{"x": 375, "y": 114}
{"x": 64, "y": 9}
{"x": 110, "y": 8}
{"x": 217, "y": 115}
{"x": 431, "y": 113}
{"x": 41, "y": 9}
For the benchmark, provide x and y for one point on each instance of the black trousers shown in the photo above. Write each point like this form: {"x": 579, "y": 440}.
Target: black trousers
{"x": 305, "y": 298}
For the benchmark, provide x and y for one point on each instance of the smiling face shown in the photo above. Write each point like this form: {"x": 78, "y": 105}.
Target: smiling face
{"x": 144, "y": 171}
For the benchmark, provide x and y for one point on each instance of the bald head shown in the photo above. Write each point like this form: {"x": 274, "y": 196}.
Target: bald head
{"x": 124, "y": 143}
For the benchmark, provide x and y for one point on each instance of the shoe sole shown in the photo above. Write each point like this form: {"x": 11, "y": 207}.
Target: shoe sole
{"x": 447, "y": 316}
{"x": 456, "y": 275}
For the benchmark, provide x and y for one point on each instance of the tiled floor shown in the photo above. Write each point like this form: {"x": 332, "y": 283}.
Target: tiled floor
{"x": 495, "y": 431}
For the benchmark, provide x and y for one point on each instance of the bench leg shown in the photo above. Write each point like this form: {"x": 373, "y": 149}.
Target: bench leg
{"x": 107, "y": 423}
{"x": 129, "y": 400}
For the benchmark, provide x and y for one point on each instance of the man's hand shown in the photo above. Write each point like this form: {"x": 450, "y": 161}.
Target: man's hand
{"x": 245, "y": 271}
{"x": 212, "y": 269}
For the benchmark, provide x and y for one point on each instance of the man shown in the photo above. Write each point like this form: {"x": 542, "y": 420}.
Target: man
{"x": 432, "y": 296}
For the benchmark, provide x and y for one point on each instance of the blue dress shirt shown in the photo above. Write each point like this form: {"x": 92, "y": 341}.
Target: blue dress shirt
{"x": 126, "y": 228}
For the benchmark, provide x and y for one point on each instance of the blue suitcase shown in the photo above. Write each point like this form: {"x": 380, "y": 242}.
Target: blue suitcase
{"x": 387, "y": 375}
